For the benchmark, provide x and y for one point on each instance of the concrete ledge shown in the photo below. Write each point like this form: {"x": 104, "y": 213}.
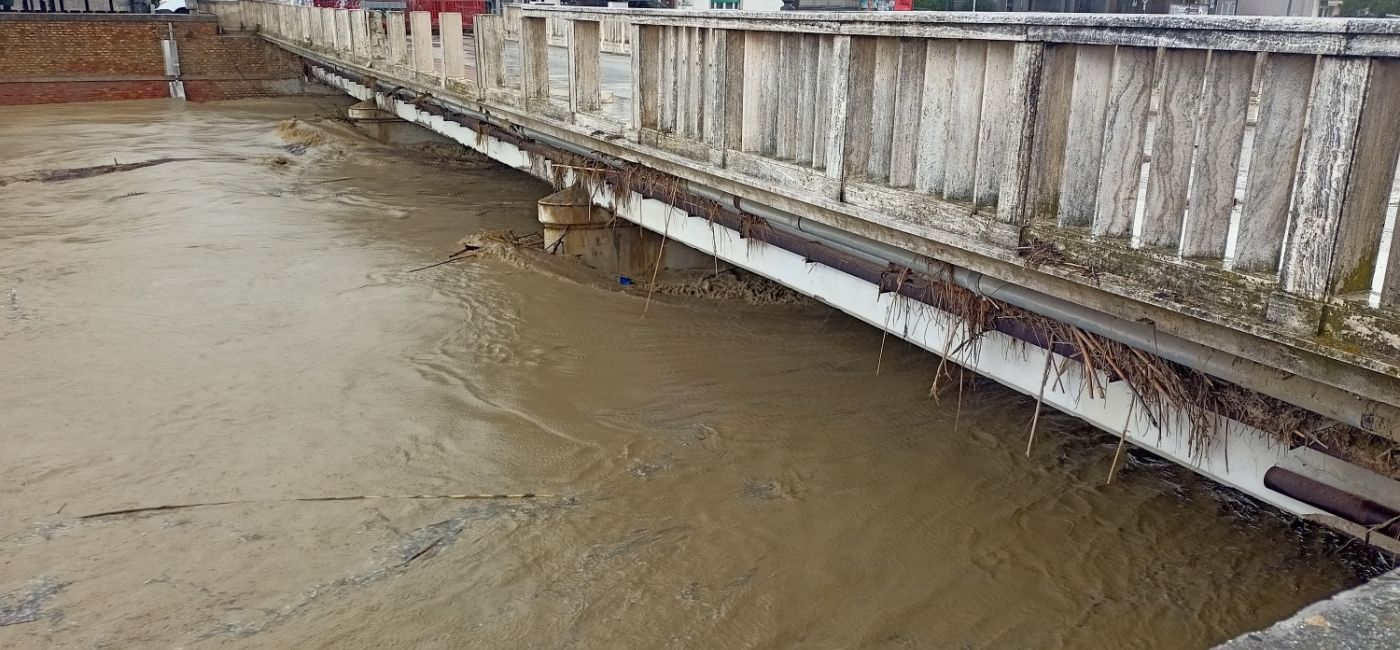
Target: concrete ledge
{"x": 1361, "y": 618}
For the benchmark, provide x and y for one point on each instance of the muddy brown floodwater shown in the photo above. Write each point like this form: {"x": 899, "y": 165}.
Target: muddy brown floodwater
{"x": 242, "y": 326}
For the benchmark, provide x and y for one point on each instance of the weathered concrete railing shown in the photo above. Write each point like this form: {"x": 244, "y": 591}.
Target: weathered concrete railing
{"x": 988, "y": 126}
{"x": 614, "y": 39}
{"x": 617, "y": 35}
{"x": 511, "y": 14}
{"x": 1233, "y": 171}
{"x": 1268, "y": 205}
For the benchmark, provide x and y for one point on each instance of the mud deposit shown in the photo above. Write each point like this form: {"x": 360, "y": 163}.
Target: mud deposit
{"x": 239, "y": 325}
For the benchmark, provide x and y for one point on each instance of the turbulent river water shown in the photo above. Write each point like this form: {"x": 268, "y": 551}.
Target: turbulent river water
{"x": 242, "y": 326}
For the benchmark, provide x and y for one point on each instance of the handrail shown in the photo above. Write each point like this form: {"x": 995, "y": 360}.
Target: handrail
{"x": 806, "y": 19}
{"x": 1335, "y": 36}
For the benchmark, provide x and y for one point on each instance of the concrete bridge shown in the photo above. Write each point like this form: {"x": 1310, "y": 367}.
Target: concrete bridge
{"x": 1175, "y": 228}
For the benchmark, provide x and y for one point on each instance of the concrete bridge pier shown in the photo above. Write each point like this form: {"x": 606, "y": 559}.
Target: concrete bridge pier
{"x": 574, "y": 226}
{"x": 388, "y": 128}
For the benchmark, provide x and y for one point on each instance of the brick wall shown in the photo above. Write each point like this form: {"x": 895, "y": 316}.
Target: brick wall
{"x": 52, "y": 58}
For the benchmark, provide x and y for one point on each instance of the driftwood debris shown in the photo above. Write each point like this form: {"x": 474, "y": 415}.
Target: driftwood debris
{"x": 205, "y": 504}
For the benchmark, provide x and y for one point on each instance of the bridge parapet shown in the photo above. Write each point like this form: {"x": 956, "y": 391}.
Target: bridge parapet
{"x": 1231, "y": 178}
{"x": 1234, "y": 167}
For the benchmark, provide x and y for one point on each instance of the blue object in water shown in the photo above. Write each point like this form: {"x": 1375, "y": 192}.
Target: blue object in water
{"x": 624, "y": 280}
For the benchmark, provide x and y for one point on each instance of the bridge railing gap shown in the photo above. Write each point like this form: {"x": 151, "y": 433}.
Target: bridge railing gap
{"x": 1237, "y": 170}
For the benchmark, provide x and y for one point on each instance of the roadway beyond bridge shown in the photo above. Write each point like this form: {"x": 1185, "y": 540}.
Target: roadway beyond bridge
{"x": 1174, "y": 228}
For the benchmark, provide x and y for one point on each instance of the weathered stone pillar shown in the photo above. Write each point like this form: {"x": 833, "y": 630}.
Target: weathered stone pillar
{"x": 386, "y": 127}
{"x": 342, "y": 31}
{"x": 575, "y": 227}
{"x": 453, "y": 45}
{"x": 421, "y": 30}
{"x": 327, "y": 43}
{"x": 397, "y": 38}
{"x": 309, "y": 28}
{"x": 584, "y": 70}
{"x": 359, "y": 34}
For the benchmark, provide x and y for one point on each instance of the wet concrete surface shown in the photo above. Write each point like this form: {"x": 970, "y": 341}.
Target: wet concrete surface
{"x": 242, "y": 328}
{"x": 1360, "y": 619}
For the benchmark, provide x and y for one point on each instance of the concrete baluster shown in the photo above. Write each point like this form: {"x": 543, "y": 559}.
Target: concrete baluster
{"x": 858, "y": 80}
{"x": 646, "y": 78}
{"x": 534, "y": 59}
{"x": 342, "y": 32}
{"x": 1216, "y": 166}
{"x": 378, "y": 43}
{"x": 935, "y": 115}
{"x": 677, "y": 86}
{"x": 887, "y": 51}
{"x": 718, "y": 93}
{"x": 453, "y": 46}
{"x": 909, "y": 92}
{"x": 762, "y": 67}
{"x": 1088, "y": 109}
{"x": 694, "y": 90}
{"x": 1173, "y": 145}
{"x": 585, "y": 89}
{"x": 969, "y": 82}
{"x": 1283, "y": 107}
{"x": 806, "y": 109}
{"x": 396, "y": 38}
{"x": 1125, "y": 134}
{"x": 327, "y": 29}
{"x": 489, "y": 33}
{"x": 1344, "y": 178}
{"x": 359, "y": 34}
{"x": 992, "y": 133}
{"x": 308, "y": 26}
{"x": 421, "y": 26}
{"x": 837, "y": 107}
{"x": 1036, "y": 88}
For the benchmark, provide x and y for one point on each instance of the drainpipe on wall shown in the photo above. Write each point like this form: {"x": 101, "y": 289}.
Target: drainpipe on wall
{"x": 172, "y": 63}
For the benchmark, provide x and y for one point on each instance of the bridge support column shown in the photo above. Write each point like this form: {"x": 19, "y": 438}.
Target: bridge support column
{"x": 575, "y": 227}
{"x": 387, "y": 127}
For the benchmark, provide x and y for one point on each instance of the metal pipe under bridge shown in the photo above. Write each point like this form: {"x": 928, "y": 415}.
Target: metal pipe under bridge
{"x": 1175, "y": 228}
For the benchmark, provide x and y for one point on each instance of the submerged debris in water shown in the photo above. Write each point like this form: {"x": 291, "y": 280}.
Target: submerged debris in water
{"x": 647, "y": 469}
{"x": 26, "y": 605}
{"x": 415, "y": 547}
{"x": 760, "y": 490}
{"x": 506, "y": 245}
{"x": 731, "y": 285}
{"x": 296, "y": 132}
{"x": 73, "y": 173}
{"x": 447, "y": 152}
{"x": 525, "y": 249}
{"x": 504, "y": 238}
{"x": 357, "y": 497}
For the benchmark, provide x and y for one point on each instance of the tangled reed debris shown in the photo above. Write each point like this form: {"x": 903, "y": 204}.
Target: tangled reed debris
{"x": 730, "y": 285}
{"x": 1040, "y": 253}
{"x": 1168, "y": 394}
